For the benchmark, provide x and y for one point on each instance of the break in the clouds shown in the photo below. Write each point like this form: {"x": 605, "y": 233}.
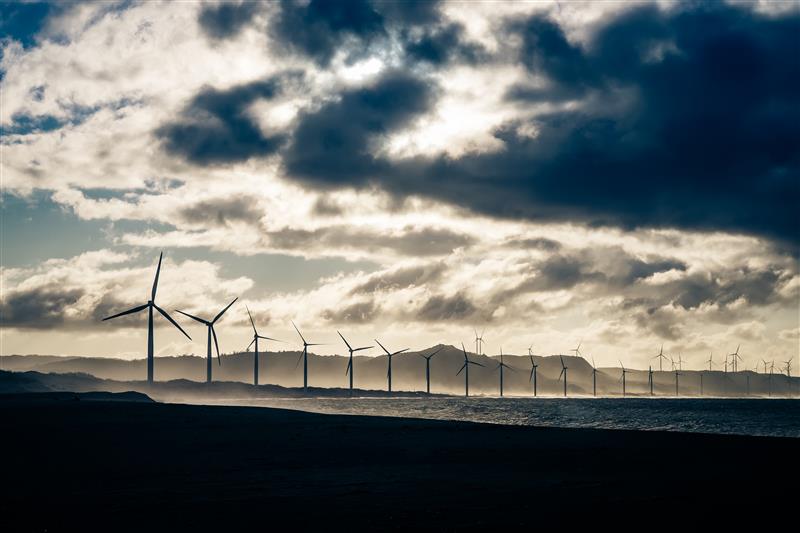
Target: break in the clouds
{"x": 622, "y": 173}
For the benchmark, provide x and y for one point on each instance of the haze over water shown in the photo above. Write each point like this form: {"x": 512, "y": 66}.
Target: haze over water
{"x": 765, "y": 417}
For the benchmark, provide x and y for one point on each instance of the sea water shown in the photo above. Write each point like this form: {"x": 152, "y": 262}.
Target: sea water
{"x": 766, "y": 417}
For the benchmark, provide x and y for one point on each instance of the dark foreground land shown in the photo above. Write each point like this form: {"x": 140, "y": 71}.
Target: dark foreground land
{"x": 77, "y": 463}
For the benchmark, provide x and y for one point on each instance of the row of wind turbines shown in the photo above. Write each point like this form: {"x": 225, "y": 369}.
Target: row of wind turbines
{"x": 731, "y": 360}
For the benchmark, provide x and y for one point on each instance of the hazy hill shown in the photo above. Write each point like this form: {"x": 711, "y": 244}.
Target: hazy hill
{"x": 408, "y": 370}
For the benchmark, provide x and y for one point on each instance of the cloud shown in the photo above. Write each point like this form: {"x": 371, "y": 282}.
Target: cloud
{"x": 215, "y": 127}
{"x": 40, "y": 308}
{"x": 319, "y": 28}
{"x": 440, "y": 308}
{"x": 442, "y": 45}
{"x": 222, "y": 211}
{"x": 401, "y": 278}
{"x": 336, "y": 144}
{"x": 227, "y": 18}
{"x": 685, "y": 118}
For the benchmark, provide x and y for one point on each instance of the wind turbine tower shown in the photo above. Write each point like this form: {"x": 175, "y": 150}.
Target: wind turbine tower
{"x": 564, "y": 369}
{"x": 304, "y": 355}
{"x": 465, "y": 368}
{"x": 390, "y": 355}
{"x": 502, "y": 366}
{"x": 150, "y": 305}
{"x": 350, "y": 362}
{"x": 428, "y": 367}
{"x": 534, "y": 366}
{"x": 211, "y": 332}
{"x": 256, "y": 336}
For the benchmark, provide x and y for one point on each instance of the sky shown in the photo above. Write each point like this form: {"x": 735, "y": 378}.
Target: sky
{"x": 622, "y": 175}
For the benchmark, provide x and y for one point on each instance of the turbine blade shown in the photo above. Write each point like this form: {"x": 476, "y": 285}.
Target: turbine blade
{"x": 165, "y": 315}
{"x": 382, "y": 346}
{"x": 345, "y": 340}
{"x": 223, "y": 311}
{"x": 530, "y": 378}
{"x": 251, "y": 320}
{"x": 298, "y": 332}
{"x": 192, "y": 317}
{"x": 362, "y": 348}
{"x": 400, "y": 351}
{"x": 216, "y": 344}
{"x": 128, "y": 312}
{"x": 155, "y": 281}
{"x": 298, "y": 360}
{"x": 474, "y": 363}
{"x": 268, "y": 338}
{"x": 434, "y": 353}
{"x": 462, "y": 369}
{"x": 349, "y": 364}
{"x": 252, "y": 342}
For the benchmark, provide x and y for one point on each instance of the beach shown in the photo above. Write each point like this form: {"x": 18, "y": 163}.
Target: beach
{"x": 119, "y": 464}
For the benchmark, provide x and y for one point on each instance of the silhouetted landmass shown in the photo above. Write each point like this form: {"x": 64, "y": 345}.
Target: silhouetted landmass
{"x": 175, "y": 390}
{"x": 408, "y": 374}
{"x": 75, "y": 465}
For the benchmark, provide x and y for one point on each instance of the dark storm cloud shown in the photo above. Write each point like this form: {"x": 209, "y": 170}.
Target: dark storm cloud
{"x": 757, "y": 288}
{"x": 222, "y": 211}
{"x": 440, "y": 45}
{"x": 401, "y": 279}
{"x": 335, "y": 144}
{"x": 446, "y": 308}
{"x": 411, "y": 241}
{"x": 214, "y": 128}
{"x": 688, "y": 118}
{"x": 42, "y": 307}
{"x": 537, "y": 243}
{"x": 319, "y": 28}
{"x": 226, "y": 19}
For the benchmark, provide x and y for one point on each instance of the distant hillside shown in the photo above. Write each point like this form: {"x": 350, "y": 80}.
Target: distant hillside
{"x": 408, "y": 370}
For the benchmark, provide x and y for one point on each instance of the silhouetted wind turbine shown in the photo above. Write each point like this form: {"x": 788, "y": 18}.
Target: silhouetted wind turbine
{"x": 256, "y": 336}
{"x": 661, "y": 357}
{"x": 534, "y": 366}
{"x": 502, "y": 366}
{"x": 428, "y": 367}
{"x": 150, "y": 305}
{"x": 578, "y": 349}
{"x": 594, "y": 378}
{"x": 479, "y": 342}
{"x": 788, "y": 367}
{"x": 211, "y": 332}
{"x": 465, "y": 368}
{"x": 735, "y": 357}
{"x": 389, "y": 355}
{"x": 624, "y": 373}
{"x": 710, "y": 360}
{"x": 680, "y": 362}
{"x": 350, "y": 362}
{"x": 650, "y": 379}
{"x": 304, "y": 355}
{"x": 564, "y": 372}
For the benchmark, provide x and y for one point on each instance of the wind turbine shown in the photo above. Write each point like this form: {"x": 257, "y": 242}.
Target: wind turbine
{"x": 680, "y": 362}
{"x": 788, "y": 367}
{"x": 650, "y": 379}
{"x": 624, "y": 373}
{"x": 150, "y": 305}
{"x": 256, "y": 336}
{"x": 304, "y": 355}
{"x": 389, "y": 355}
{"x": 428, "y": 368}
{"x": 479, "y": 342}
{"x": 735, "y": 358}
{"x": 578, "y": 349}
{"x": 710, "y": 360}
{"x": 564, "y": 372}
{"x": 594, "y": 378}
{"x": 211, "y": 332}
{"x": 534, "y": 366}
{"x": 501, "y": 366}
{"x": 661, "y": 358}
{"x": 465, "y": 369}
{"x": 350, "y": 362}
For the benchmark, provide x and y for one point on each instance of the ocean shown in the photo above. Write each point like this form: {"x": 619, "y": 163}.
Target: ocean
{"x": 764, "y": 417}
